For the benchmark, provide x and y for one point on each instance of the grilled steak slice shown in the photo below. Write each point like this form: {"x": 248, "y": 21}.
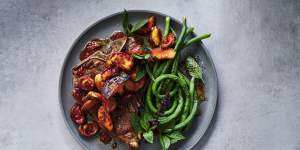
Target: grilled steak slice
{"x": 108, "y": 45}
{"x": 95, "y": 54}
{"x": 93, "y": 46}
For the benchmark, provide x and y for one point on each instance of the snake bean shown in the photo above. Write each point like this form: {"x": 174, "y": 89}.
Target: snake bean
{"x": 172, "y": 77}
{"x": 149, "y": 72}
{"x": 178, "y": 46}
{"x": 187, "y": 106}
{"x": 182, "y": 124}
{"x": 166, "y": 119}
{"x": 149, "y": 97}
{"x": 167, "y": 26}
{"x": 172, "y": 93}
{"x": 172, "y": 108}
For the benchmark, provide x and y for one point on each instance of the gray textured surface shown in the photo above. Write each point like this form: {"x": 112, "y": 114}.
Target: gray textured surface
{"x": 255, "y": 47}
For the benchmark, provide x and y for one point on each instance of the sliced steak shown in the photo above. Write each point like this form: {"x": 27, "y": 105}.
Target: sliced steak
{"x": 93, "y": 46}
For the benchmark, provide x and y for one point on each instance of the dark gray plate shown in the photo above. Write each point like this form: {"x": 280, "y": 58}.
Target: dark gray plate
{"x": 105, "y": 27}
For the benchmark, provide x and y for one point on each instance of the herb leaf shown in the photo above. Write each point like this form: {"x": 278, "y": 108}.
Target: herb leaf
{"x": 140, "y": 72}
{"x": 175, "y": 137}
{"x": 148, "y": 136}
{"x": 138, "y": 25}
{"x": 146, "y": 56}
{"x": 134, "y": 120}
{"x": 144, "y": 122}
{"x": 164, "y": 142}
{"x": 125, "y": 22}
{"x": 137, "y": 56}
{"x": 173, "y": 141}
{"x": 193, "y": 68}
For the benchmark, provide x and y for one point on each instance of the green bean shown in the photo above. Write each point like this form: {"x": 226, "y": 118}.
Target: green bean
{"x": 194, "y": 97}
{"x": 185, "y": 109}
{"x": 149, "y": 72}
{"x": 146, "y": 109}
{"x": 161, "y": 87}
{"x": 160, "y": 68}
{"x": 175, "y": 64}
{"x": 187, "y": 120}
{"x": 164, "y": 120}
{"x": 166, "y": 85}
{"x": 188, "y": 126}
{"x": 160, "y": 96}
{"x": 166, "y": 66}
{"x": 182, "y": 76}
{"x": 167, "y": 26}
{"x": 172, "y": 108}
{"x": 188, "y": 31}
{"x": 155, "y": 67}
{"x": 192, "y": 86}
{"x": 172, "y": 93}
{"x": 168, "y": 76}
{"x": 181, "y": 36}
{"x": 163, "y": 83}
{"x": 196, "y": 39}
{"x": 187, "y": 102}
{"x": 157, "y": 102}
{"x": 148, "y": 98}
{"x": 187, "y": 106}
{"x": 173, "y": 31}
{"x": 178, "y": 46}
{"x": 187, "y": 34}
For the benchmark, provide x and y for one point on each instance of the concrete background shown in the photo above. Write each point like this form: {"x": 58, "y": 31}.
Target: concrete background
{"x": 255, "y": 47}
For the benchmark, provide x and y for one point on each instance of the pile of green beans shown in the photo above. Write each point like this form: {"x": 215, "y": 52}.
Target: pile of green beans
{"x": 167, "y": 80}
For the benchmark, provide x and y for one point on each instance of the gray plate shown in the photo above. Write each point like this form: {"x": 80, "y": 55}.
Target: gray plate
{"x": 105, "y": 27}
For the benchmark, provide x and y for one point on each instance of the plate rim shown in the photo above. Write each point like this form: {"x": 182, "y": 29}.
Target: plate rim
{"x": 84, "y": 146}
